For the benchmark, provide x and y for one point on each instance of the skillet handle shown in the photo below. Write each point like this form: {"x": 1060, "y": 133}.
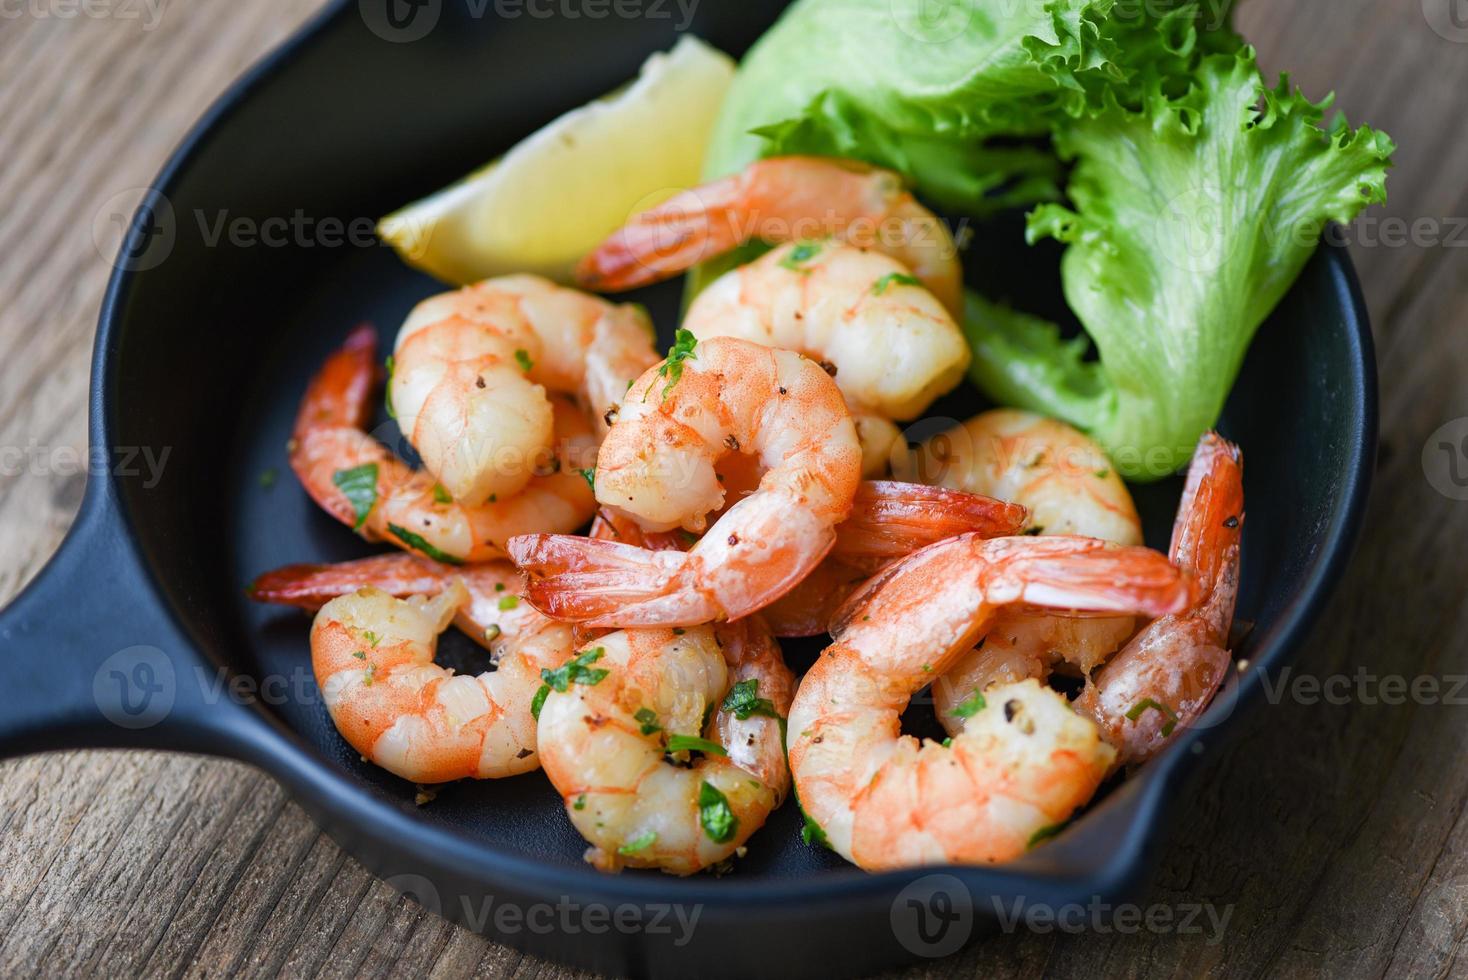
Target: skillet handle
{"x": 90, "y": 656}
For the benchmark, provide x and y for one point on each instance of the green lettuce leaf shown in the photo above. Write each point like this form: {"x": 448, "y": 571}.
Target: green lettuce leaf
{"x": 1192, "y": 215}
{"x": 920, "y": 87}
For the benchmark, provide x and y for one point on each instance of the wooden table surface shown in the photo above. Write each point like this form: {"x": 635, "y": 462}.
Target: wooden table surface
{"x": 1346, "y": 853}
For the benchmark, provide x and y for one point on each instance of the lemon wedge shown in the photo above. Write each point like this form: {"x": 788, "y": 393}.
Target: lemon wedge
{"x": 556, "y": 194}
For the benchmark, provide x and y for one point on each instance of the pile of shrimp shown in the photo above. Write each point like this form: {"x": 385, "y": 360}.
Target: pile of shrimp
{"x": 751, "y": 485}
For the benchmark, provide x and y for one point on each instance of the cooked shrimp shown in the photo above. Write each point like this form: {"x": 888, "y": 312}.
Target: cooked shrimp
{"x": 782, "y": 199}
{"x": 890, "y": 345}
{"x": 1055, "y": 470}
{"x": 884, "y": 800}
{"x": 657, "y": 464}
{"x": 619, "y": 718}
{"x": 472, "y": 368}
{"x": 361, "y": 483}
{"x": 1163, "y": 679}
{"x": 1069, "y": 487}
{"x": 373, "y": 659}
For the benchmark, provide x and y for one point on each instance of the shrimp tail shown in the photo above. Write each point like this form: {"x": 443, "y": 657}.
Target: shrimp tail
{"x": 340, "y": 393}
{"x": 585, "y": 579}
{"x": 891, "y": 519}
{"x": 1210, "y": 518}
{"x": 686, "y": 229}
{"x": 1064, "y": 575}
{"x": 310, "y": 586}
{"x": 1106, "y": 580}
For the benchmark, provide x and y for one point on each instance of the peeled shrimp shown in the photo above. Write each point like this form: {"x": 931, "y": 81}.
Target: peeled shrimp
{"x": 1162, "y": 680}
{"x": 361, "y": 483}
{"x": 658, "y": 465}
{"x": 782, "y": 199}
{"x": 1025, "y": 763}
{"x": 373, "y": 654}
{"x": 1056, "y": 471}
{"x": 472, "y": 368}
{"x": 888, "y": 342}
{"x": 1069, "y": 487}
{"x": 611, "y": 736}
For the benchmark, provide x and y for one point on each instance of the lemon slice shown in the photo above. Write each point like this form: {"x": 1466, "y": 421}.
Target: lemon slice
{"x": 556, "y": 194}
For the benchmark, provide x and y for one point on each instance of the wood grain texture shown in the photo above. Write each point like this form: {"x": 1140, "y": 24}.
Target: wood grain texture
{"x": 1347, "y": 854}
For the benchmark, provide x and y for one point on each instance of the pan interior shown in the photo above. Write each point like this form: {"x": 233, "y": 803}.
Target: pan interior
{"x": 216, "y": 343}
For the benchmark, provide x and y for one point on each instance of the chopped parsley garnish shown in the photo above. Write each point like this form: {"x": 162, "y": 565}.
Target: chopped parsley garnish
{"x": 692, "y": 743}
{"x": 360, "y": 654}
{"x": 682, "y": 350}
{"x": 417, "y": 541}
{"x": 267, "y": 478}
{"x": 538, "y": 702}
{"x": 1045, "y": 833}
{"x": 372, "y": 637}
{"x": 359, "y": 486}
{"x": 589, "y": 475}
{"x": 648, "y": 720}
{"x": 440, "y": 495}
{"x": 387, "y": 392}
{"x": 642, "y": 843}
{"x": 577, "y": 670}
{"x": 522, "y": 358}
{"x": 580, "y": 803}
{"x": 1034, "y": 531}
{"x": 801, "y": 253}
{"x": 499, "y": 586}
{"x": 1136, "y": 710}
{"x": 508, "y": 602}
{"x": 971, "y": 706}
{"x": 901, "y": 278}
{"x": 811, "y": 833}
{"x": 714, "y": 813}
{"x": 1102, "y": 474}
{"x": 743, "y": 699}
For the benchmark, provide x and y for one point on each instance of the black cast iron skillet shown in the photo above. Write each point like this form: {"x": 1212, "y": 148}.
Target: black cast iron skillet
{"x": 138, "y": 633}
